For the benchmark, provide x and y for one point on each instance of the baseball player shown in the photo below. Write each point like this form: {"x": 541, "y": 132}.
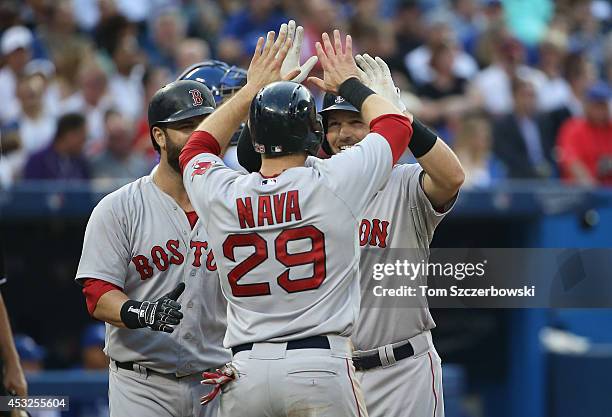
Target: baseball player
{"x": 149, "y": 273}
{"x": 398, "y": 366}
{"x": 285, "y": 238}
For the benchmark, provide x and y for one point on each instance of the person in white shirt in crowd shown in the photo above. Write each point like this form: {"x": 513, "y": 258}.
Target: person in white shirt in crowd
{"x": 125, "y": 84}
{"x": 439, "y": 31}
{"x": 46, "y": 70}
{"x": 93, "y": 100}
{"x": 556, "y": 92}
{"x": 15, "y": 49}
{"x": 493, "y": 83}
{"x": 35, "y": 123}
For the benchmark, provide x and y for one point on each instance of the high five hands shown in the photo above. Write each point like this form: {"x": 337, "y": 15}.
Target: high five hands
{"x": 265, "y": 66}
{"x": 337, "y": 62}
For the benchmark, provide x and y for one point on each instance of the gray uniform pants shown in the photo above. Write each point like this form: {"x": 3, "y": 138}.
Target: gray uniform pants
{"x": 275, "y": 382}
{"x": 132, "y": 394}
{"x": 411, "y": 387}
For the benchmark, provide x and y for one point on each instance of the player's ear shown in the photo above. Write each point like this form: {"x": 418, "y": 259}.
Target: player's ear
{"x": 159, "y": 136}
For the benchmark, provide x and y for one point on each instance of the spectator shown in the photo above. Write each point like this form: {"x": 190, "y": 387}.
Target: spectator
{"x": 556, "y": 91}
{"x": 438, "y": 31}
{"x": 32, "y": 355}
{"x": 407, "y": 36}
{"x": 468, "y": 22}
{"x": 15, "y": 46}
{"x": 373, "y": 36}
{"x": 473, "y": 146}
{"x": 93, "y": 101}
{"x": 191, "y": 51}
{"x": 523, "y": 140}
{"x": 63, "y": 159}
{"x": 168, "y": 31}
{"x": 317, "y": 16}
{"x": 61, "y": 38}
{"x": 242, "y": 29}
{"x": 580, "y": 73}
{"x": 126, "y": 83}
{"x": 118, "y": 161}
{"x": 92, "y": 343}
{"x": 11, "y": 157}
{"x": 46, "y": 71}
{"x": 36, "y": 123}
{"x": 154, "y": 78}
{"x": 493, "y": 83}
{"x": 585, "y": 143}
{"x": 444, "y": 97}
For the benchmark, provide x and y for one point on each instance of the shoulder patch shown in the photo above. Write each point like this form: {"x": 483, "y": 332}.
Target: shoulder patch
{"x": 200, "y": 167}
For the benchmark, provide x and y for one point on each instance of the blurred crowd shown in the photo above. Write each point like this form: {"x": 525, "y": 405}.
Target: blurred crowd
{"x": 519, "y": 89}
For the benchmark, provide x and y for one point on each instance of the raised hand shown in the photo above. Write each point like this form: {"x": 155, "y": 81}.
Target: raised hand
{"x": 378, "y": 76}
{"x": 337, "y": 62}
{"x": 292, "y": 61}
{"x": 265, "y": 67}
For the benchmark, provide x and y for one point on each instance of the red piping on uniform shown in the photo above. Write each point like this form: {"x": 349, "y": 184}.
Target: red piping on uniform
{"x": 348, "y": 371}
{"x": 199, "y": 142}
{"x": 433, "y": 386}
{"x": 269, "y": 176}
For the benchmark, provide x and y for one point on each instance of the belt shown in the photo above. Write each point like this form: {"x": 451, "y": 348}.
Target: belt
{"x": 130, "y": 367}
{"x": 313, "y": 342}
{"x": 363, "y": 363}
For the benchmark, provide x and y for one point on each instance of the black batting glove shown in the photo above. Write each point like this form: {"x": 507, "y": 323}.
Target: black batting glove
{"x": 160, "y": 315}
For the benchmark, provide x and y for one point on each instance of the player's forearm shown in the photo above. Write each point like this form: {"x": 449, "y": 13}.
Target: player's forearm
{"x": 222, "y": 123}
{"x": 108, "y": 308}
{"x": 444, "y": 174}
{"x": 7, "y": 346}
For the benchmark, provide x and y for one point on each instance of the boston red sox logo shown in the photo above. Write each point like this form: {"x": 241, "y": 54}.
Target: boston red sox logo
{"x": 200, "y": 167}
{"x": 196, "y": 96}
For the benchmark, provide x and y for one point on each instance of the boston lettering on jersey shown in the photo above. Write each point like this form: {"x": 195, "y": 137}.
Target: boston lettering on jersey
{"x": 269, "y": 209}
{"x": 163, "y": 257}
{"x": 373, "y": 232}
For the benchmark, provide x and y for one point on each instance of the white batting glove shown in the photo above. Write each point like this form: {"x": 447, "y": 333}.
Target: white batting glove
{"x": 380, "y": 81}
{"x": 292, "y": 61}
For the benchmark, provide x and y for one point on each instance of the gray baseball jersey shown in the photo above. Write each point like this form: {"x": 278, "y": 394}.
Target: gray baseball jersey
{"x": 139, "y": 239}
{"x": 399, "y": 216}
{"x": 274, "y": 239}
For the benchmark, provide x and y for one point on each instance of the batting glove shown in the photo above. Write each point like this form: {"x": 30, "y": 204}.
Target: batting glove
{"x": 292, "y": 60}
{"x": 218, "y": 378}
{"x": 377, "y": 74}
{"x": 160, "y": 315}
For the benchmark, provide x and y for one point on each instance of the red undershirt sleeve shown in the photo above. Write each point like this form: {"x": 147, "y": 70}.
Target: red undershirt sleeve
{"x": 199, "y": 142}
{"x": 93, "y": 289}
{"x": 396, "y": 129}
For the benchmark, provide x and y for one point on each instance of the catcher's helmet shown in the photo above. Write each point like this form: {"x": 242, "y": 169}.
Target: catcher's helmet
{"x": 283, "y": 119}
{"x": 333, "y": 102}
{"x": 179, "y": 100}
{"x": 222, "y": 79}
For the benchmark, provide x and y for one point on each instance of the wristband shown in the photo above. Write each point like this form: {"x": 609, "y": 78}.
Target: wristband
{"x": 354, "y": 92}
{"x": 423, "y": 139}
{"x": 130, "y": 314}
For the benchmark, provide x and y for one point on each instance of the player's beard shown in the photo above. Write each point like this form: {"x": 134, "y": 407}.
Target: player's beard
{"x": 173, "y": 152}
